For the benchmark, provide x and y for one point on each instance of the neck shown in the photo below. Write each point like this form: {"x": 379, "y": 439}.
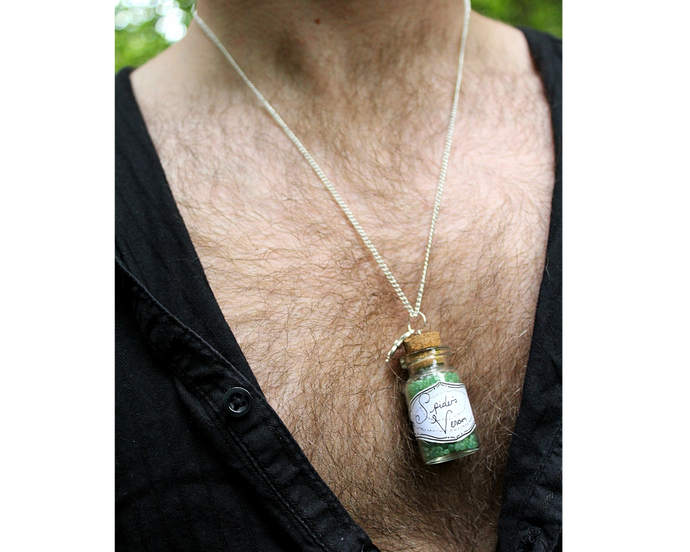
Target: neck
{"x": 339, "y": 48}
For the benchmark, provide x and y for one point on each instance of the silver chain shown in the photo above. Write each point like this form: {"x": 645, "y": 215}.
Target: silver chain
{"x": 413, "y": 312}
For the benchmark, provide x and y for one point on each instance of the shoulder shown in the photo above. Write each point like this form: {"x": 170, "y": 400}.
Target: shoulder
{"x": 547, "y": 55}
{"x": 544, "y": 44}
{"x": 521, "y": 56}
{"x": 132, "y": 138}
{"x": 128, "y": 120}
{"x": 136, "y": 161}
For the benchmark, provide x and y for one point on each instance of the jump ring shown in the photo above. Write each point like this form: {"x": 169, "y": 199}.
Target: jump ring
{"x": 409, "y": 322}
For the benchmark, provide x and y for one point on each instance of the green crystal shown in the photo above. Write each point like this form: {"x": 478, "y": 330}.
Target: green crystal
{"x": 432, "y": 451}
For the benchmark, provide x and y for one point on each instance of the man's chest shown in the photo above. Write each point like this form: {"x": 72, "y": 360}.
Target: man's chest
{"x": 314, "y": 315}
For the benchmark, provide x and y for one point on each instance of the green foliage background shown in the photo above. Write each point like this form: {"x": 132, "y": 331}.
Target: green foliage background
{"x": 144, "y": 36}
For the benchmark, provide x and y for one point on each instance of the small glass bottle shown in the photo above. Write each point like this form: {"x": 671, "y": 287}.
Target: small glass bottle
{"x": 439, "y": 408}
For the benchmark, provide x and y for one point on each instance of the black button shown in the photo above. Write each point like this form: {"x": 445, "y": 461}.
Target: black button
{"x": 237, "y": 402}
{"x": 370, "y": 548}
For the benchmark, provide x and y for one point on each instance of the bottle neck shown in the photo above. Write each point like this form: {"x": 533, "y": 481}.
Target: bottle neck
{"x": 425, "y": 358}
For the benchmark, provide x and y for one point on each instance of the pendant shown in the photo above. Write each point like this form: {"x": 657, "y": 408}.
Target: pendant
{"x": 439, "y": 407}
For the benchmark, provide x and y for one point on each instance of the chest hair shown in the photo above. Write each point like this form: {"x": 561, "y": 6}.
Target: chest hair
{"x": 314, "y": 315}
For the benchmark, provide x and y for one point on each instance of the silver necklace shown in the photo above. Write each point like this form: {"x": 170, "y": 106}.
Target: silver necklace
{"x": 414, "y": 312}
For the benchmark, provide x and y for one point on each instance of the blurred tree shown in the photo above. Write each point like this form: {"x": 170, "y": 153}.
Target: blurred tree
{"x": 543, "y": 15}
{"x": 144, "y": 28}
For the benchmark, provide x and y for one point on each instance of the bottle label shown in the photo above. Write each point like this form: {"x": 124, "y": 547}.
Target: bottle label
{"x": 442, "y": 413}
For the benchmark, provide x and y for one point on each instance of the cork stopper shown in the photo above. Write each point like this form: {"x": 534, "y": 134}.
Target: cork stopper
{"x": 422, "y": 341}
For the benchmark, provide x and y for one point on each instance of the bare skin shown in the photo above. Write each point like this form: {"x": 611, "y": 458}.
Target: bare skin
{"x": 367, "y": 86}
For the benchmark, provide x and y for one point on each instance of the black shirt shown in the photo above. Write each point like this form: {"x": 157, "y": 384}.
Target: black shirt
{"x": 189, "y": 476}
